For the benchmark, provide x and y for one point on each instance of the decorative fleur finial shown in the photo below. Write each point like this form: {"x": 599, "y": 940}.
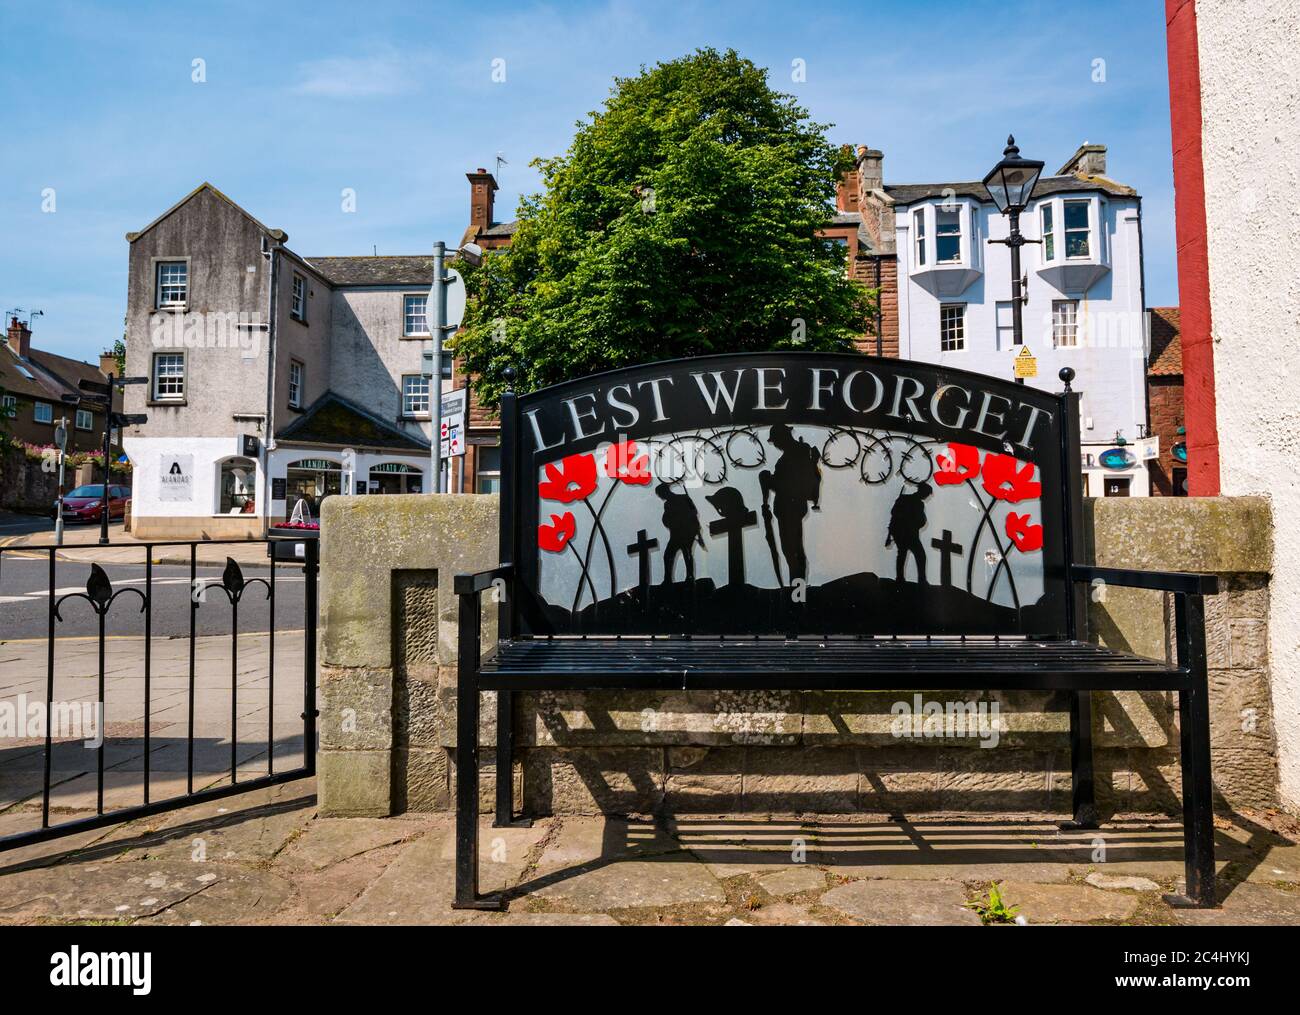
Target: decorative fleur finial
{"x": 1066, "y": 375}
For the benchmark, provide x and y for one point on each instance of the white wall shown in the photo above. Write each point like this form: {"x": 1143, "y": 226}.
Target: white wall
{"x": 1250, "y": 111}
{"x": 1109, "y": 361}
{"x": 147, "y": 454}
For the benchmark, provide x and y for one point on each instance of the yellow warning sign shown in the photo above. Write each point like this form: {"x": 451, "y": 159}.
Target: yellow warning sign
{"x": 1026, "y": 365}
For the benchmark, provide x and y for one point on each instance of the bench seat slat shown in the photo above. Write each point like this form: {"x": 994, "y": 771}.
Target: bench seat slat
{"x": 811, "y": 664}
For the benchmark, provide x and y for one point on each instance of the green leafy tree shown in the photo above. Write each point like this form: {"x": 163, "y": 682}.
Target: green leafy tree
{"x": 683, "y": 220}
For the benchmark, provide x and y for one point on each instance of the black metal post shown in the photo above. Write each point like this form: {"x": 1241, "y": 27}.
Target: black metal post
{"x": 1194, "y": 734}
{"x": 1015, "y": 241}
{"x": 467, "y": 706}
{"x": 234, "y": 685}
{"x": 148, "y": 641}
{"x": 311, "y": 569}
{"x": 189, "y": 729}
{"x": 108, "y": 431}
{"x": 270, "y": 674}
{"x": 49, "y": 697}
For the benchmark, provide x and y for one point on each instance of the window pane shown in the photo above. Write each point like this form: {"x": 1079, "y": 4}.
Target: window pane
{"x": 1049, "y": 233}
{"x": 416, "y": 320}
{"x": 918, "y": 219}
{"x": 952, "y": 327}
{"x": 415, "y": 395}
{"x": 44, "y": 412}
{"x": 1076, "y": 228}
{"x": 168, "y": 375}
{"x": 947, "y": 237}
{"x": 172, "y": 282}
{"x": 1065, "y": 322}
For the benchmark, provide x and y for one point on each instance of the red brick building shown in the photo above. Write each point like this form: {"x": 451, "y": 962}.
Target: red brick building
{"x": 1165, "y": 403}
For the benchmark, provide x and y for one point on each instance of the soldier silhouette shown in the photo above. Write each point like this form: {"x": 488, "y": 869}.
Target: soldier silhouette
{"x": 682, "y": 520}
{"x": 906, "y": 520}
{"x": 795, "y": 482}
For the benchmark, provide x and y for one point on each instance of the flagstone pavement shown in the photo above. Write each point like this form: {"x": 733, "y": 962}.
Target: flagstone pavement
{"x": 265, "y": 857}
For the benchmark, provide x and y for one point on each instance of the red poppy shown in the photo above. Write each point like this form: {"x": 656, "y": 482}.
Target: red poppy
{"x": 960, "y": 464}
{"x": 1026, "y": 537}
{"x": 622, "y": 464}
{"x": 1006, "y": 479}
{"x": 573, "y": 479}
{"x": 555, "y": 537}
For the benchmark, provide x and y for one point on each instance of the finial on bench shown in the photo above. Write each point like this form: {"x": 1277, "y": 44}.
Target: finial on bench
{"x": 1067, "y": 375}
{"x": 509, "y": 374}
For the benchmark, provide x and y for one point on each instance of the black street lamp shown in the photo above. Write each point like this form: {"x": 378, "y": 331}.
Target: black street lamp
{"x": 1011, "y": 184}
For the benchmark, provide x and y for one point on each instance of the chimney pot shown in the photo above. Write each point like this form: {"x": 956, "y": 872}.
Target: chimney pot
{"x": 19, "y": 337}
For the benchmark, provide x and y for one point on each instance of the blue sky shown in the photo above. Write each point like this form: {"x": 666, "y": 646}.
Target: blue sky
{"x": 398, "y": 101}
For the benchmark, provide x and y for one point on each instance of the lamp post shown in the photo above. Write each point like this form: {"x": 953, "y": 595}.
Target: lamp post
{"x": 1011, "y": 184}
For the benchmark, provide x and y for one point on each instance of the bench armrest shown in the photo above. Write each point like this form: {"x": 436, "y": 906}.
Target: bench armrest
{"x": 1182, "y": 582}
{"x": 481, "y": 581}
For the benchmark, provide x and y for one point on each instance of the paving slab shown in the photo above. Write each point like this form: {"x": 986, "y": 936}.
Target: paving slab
{"x": 544, "y": 920}
{"x": 503, "y": 853}
{"x": 671, "y": 880}
{"x": 793, "y": 881}
{"x": 415, "y": 889}
{"x": 584, "y": 840}
{"x": 1117, "y": 882}
{"x": 897, "y": 903}
{"x": 1042, "y": 903}
{"x": 1247, "y": 905}
{"x": 325, "y": 842}
{"x": 784, "y": 914}
{"x": 123, "y": 890}
{"x": 1279, "y": 865}
{"x": 243, "y": 895}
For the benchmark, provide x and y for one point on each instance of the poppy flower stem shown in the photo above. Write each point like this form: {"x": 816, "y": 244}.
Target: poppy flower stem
{"x": 987, "y": 519}
{"x": 591, "y": 543}
{"x": 584, "y": 577}
{"x": 609, "y": 553}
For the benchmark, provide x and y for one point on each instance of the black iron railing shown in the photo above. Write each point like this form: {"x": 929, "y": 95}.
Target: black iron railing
{"x": 101, "y": 598}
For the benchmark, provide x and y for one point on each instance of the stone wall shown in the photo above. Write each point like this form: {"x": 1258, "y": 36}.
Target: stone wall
{"x": 24, "y": 485}
{"x": 388, "y": 692}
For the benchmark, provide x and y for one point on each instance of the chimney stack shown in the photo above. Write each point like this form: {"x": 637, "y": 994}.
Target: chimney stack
{"x": 107, "y": 363}
{"x": 846, "y": 189}
{"x": 19, "y": 337}
{"x": 871, "y": 168}
{"x": 482, "y": 191}
{"x": 1088, "y": 160}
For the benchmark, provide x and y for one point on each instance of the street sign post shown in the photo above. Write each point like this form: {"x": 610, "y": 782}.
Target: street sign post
{"x": 61, "y": 442}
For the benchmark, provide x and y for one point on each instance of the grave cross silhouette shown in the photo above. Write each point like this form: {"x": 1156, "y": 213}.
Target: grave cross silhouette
{"x": 641, "y": 550}
{"x": 946, "y": 548}
{"x": 733, "y": 526}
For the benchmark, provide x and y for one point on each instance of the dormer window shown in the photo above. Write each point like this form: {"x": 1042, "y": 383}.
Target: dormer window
{"x": 1076, "y": 229}
{"x": 918, "y": 218}
{"x": 947, "y": 236}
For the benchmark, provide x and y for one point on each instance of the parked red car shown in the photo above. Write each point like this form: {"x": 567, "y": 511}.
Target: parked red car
{"x": 85, "y": 502}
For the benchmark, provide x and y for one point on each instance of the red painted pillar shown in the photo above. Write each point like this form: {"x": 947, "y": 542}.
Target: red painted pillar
{"x": 1199, "y": 414}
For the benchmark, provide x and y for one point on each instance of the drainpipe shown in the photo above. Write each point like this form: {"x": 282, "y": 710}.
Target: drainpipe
{"x": 273, "y": 255}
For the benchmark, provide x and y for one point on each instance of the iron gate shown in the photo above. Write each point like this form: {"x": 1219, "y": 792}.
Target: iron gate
{"x": 177, "y": 695}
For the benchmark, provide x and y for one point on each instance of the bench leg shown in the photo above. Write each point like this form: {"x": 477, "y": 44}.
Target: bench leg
{"x": 1198, "y": 800}
{"x": 505, "y": 810}
{"x": 467, "y": 706}
{"x": 1082, "y": 783}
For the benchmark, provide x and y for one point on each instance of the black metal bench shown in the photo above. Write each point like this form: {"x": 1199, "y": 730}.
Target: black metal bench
{"x": 805, "y": 521}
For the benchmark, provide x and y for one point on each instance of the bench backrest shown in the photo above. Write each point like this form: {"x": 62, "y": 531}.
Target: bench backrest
{"x": 789, "y": 493}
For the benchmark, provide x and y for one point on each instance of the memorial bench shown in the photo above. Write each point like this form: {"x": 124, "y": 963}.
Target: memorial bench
{"x": 805, "y": 521}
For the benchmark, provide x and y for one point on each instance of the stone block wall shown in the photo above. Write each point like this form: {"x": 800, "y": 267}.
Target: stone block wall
{"x": 388, "y": 681}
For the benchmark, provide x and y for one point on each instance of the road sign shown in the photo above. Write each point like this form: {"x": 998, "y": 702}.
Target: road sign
{"x": 455, "y": 299}
{"x": 452, "y": 433}
{"x": 1025, "y": 364}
